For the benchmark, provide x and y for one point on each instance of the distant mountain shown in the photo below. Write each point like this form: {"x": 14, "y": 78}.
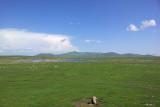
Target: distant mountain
{"x": 78, "y": 55}
{"x": 75, "y": 54}
{"x": 45, "y": 55}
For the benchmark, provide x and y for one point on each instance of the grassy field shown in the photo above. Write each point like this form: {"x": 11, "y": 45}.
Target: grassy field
{"x": 117, "y": 82}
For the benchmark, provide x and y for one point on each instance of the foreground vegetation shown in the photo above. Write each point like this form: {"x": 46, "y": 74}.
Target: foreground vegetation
{"x": 118, "y": 82}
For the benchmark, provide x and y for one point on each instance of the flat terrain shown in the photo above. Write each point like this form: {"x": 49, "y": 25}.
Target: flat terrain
{"x": 117, "y": 82}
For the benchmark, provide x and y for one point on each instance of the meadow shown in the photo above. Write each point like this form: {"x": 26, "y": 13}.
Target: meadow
{"x": 117, "y": 82}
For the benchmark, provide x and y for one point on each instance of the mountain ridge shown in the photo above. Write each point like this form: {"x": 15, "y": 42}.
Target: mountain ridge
{"x": 75, "y": 54}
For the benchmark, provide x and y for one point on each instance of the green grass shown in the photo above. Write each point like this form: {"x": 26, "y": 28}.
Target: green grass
{"x": 124, "y": 82}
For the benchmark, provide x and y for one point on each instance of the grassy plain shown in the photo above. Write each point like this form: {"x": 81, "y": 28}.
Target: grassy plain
{"x": 118, "y": 82}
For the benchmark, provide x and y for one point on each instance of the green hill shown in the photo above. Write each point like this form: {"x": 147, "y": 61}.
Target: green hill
{"x": 45, "y": 55}
{"x": 75, "y": 54}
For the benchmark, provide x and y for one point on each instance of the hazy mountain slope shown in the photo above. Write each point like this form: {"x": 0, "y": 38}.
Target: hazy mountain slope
{"x": 91, "y": 55}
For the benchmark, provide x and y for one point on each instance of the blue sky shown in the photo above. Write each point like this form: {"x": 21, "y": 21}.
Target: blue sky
{"x": 29, "y": 27}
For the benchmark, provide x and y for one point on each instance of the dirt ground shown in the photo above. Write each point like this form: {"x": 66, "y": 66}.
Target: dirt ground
{"x": 84, "y": 102}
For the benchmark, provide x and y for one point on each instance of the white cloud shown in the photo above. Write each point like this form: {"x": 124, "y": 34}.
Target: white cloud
{"x": 132, "y": 27}
{"x": 88, "y": 41}
{"x": 14, "y": 41}
{"x": 98, "y": 41}
{"x": 70, "y": 23}
{"x": 148, "y": 23}
{"x": 144, "y": 24}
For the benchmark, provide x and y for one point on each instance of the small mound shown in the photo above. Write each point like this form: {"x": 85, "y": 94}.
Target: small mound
{"x": 84, "y": 102}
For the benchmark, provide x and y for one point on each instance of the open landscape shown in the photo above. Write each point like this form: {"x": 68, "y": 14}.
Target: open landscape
{"x": 117, "y": 82}
{"x": 79, "y": 53}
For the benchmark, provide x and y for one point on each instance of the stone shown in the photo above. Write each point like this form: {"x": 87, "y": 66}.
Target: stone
{"x": 94, "y": 100}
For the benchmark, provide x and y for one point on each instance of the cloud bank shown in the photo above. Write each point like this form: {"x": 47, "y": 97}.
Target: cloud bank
{"x": 22, "y": 42}
{"x": 144, "y": 24}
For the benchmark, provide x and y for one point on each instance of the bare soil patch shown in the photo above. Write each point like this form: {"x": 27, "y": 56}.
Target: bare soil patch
{"x": 84, "y": 102}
